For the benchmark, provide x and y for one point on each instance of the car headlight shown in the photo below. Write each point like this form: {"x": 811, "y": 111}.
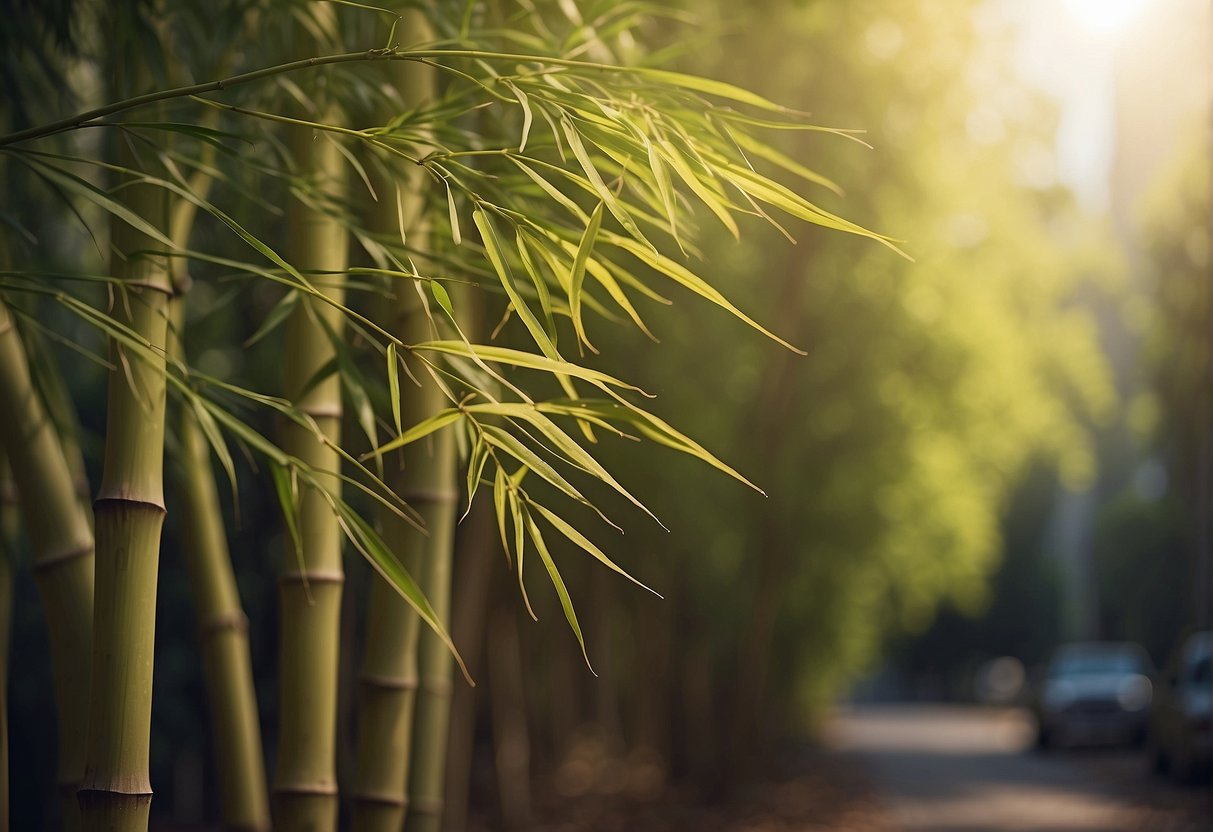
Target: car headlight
{"x": 1134, "y": 693}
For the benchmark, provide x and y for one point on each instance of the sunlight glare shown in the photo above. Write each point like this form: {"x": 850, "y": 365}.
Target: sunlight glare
{"x": 1104, "y": 17}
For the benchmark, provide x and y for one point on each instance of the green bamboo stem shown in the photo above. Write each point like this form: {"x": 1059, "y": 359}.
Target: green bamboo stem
{"x": 129, "y": 515}
{"x": 116, "y": 792}
{"x": 223, "y": 631}
{"x": 389, "y": 674}
{"x": 310, "y": 586}
{"x": 62, "y": 542}
{"x": 222, "y": 624}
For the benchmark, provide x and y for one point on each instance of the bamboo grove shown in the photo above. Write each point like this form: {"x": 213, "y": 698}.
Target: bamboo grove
{"x": 363, "y": 193}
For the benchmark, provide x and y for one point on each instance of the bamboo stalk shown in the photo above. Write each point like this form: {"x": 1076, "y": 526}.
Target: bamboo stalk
{"x": 116, "y": 791}
{"x": 421, "y": 474}
{"x": 62, "y": 541}
{"x": 476, "y": 549}
{"x": 310, "y": 584}
{"x": 129, "y": 515}
{"x": 222, "y": 629}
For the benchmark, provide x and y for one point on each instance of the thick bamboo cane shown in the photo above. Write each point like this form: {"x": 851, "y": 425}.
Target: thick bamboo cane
{"x": 62, "y": 541}
{"x": 421, "y": 475}
{"x": 222, "y": 630}
{"x": 310, "y": 583}
{"x": 129, "y": 515}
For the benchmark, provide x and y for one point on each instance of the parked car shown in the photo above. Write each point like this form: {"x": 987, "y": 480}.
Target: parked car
{"x": 1180, "y": 734}
{"x": 1093, "y": 693}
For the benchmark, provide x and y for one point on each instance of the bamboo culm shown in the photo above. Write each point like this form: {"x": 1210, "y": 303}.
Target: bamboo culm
{"x": 311, "y": 580}
{"x": 389, "y": 674}
{"x": 62, "y": 540}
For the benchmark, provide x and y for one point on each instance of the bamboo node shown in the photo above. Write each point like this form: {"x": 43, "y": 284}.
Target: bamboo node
{"x": 321, "y": 411}
{"x": 317, "y": 577}
{"x": 236, "y": 621}
{"x": 130, "y": 503}
{"x": 437, "y": 687}
{"x": 379, "y": 799}
{"x": 389, "y": 682}
{"x": 306, "y": 789}
{"x": 426, "y": 806}
{"x": 420, "y": 496}
{"x": 45, "y": 564}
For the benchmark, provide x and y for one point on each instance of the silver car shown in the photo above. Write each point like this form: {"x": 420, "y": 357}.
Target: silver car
{"x": 1093, "y": 693}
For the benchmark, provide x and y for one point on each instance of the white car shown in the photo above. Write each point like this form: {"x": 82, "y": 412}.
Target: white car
{"x": 1093, "y": 693}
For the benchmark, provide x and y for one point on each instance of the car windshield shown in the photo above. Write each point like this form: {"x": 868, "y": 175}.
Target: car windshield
{"x": 1085, "y": 662}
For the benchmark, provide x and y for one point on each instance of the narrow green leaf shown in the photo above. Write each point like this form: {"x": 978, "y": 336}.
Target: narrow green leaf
{"x": 518, "y": 358}
{"x": 476, "y": 461}
{"x": 714, "y": 202}
{"x": 563, "y": 443}
{"x": 367, "y": 541}
{"x": 440, "y": 295}
{"x": 577, "y": 273}
{"x": 516, "y": 511}
{"x": 290, "y": 511}
{"x": 719, "y": 89}
{"x": 281, "y": 311}
{"x": 214, "y": 437}
{"x": 587, "y": 165}
{"x": 681, "y": 274}
{"x": 558, "y": 583}
{"x": 581, "y": 540}
{"x": 71, "y": 183}
{"x": 393, "y": 384}
{"x": 497, "y": 257}
{"x": 454, "y": 214}
{"x": 513, "y": 446}
{"x": 423, "y": 428}
{"x": 541, "y": 285}
{"x": 499, "y": 494}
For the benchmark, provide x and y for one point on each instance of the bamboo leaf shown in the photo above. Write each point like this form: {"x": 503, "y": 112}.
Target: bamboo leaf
{"x": 283, "y": 487}
{"x": 516, "y": 512}
{"x": 214, "y": 437}
{"x": 581, "y": 540}
{"x": 499, "y": 499}
{"x": 558, "y": 583}
{"x": 71, "y": 183}
{"x": 453, "y": 212}
{"x": 281, "y": 311}
{"x": 518, "y": 358}
{"x": 692, "y": 281}
{"x": 497, "y": 257}
{"x": 541, "y": 285}
{"x": 367, "y": 541}
{"x": 513, "y": 446}
{"x": 577, "y": 273}
{"x": 393, "y": 383}
{"x": 423, "y": 428}
{"x": 563, "y": 443}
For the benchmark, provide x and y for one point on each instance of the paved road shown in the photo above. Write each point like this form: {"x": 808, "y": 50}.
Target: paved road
{"x": 945, "y": 768}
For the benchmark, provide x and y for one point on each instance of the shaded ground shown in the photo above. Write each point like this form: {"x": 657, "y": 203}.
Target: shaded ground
{"x": 818, "y": 791}
{"x": 968, "y": 768}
